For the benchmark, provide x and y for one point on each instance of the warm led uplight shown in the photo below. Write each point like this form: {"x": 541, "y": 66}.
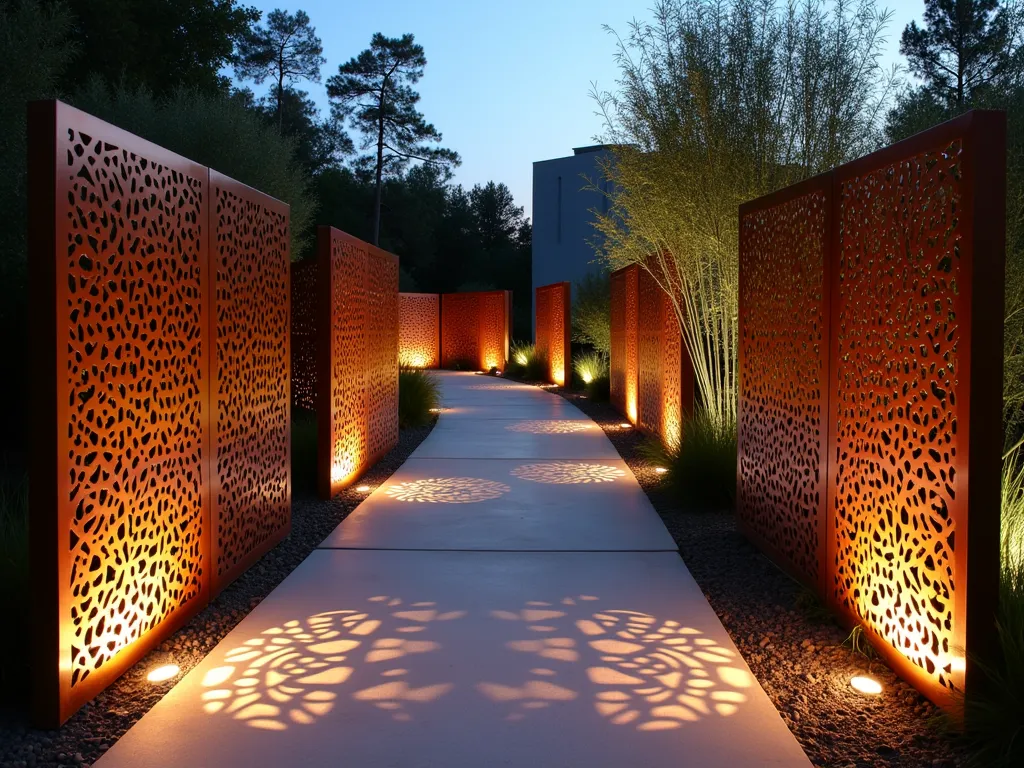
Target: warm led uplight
{"x": 660, "y": 470}
{"x": 625, "y": 425}
{"x": 587, "y": 378}
{"x": 866, "y": 685}
{"x": 363, "y": 488}
{"x": 163, "y": 673}
{"x": 435, "y": 410}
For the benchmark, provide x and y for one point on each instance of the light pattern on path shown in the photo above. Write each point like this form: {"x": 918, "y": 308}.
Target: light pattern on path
{"x": 448, "y": 490}
{"x": 553, "y": 427}
{"x": 568, "y": 472}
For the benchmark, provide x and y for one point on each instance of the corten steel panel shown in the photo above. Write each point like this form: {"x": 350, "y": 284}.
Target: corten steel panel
{"x": 494, "y": 329}
{"x": 623, "y": 358}
{"x": 304, "y": 333}
{"x": 251, "y": 482}
{"x": 650, "y": 364}
{"x": 357, "y": 357}
{"x": 553, "y": 307}
{"x": 783, "y": 376}
{"x": 460, "y": 329}
{"x": 419, "y": 329}
{"x": 915, "y": 402}
{"x": 120, "y": 532}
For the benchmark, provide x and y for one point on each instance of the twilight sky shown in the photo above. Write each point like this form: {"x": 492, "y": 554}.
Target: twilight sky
{"x": 506, "y": 83}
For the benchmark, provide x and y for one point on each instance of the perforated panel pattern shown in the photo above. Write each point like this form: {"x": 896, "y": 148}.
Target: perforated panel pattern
{"x": 625, "y": 296}
{"x": 649, "y": 355}
{"x": 783, "y": 368}
{"x": 381, "y": 353}
{"x": 460, "y": 329}
{"x": 252, "y": 488}
{"x": 552, "y": 335}
{"x": 898, "y": 451}
{"x": 304, "y": 333}
{"x": 131, "y": 389}
{"x": 419, "y": 323}
{"x": 493, "y": 330}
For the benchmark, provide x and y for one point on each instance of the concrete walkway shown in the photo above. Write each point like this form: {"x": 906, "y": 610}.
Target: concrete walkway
{"x": 508, "y": 598}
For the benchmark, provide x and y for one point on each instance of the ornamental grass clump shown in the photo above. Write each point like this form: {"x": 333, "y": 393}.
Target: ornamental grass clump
{"x": 526, "y": 362}
{"x": 591, "y": 370}
{"x": 418, "y": 397}
{"x": 701, "y": 470}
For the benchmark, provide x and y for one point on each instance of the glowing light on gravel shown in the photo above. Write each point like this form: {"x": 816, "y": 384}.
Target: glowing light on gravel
{"x": 866, "y": 685}
{"x": 660, "y": 470}
{"x": 363, "y": 489}
{"x": 163, "y": 673}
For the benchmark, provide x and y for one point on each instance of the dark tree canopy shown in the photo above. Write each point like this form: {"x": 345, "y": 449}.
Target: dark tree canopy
{"x": 374, "y": 91}
{"x": 161, "y": 44}
{"x": 964, "y": 47}
{"x": 285, "y": 51}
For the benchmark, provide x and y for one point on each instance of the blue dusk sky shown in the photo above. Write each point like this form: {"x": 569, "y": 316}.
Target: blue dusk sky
{"x": 506, "y": 83}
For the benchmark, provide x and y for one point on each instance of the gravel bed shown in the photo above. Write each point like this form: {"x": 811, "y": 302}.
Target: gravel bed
{"x": 94, "y": 728}
{"x": 789, "y": 642}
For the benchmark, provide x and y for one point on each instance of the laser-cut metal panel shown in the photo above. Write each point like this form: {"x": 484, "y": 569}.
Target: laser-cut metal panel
{"x": 677, "y": 376}
{"x": 650, "y": 363}
{"x": 251, "y": 492}
{"x": 357, "y": 380}
{"x": 917, "y": 300}
{"x": 381, "y": 353}
{"x": 120, "y": 534}
{"x": 624, "y": 343}
{"x": 460, "y": 329}
{"x": 419, "y": 329}
{"x": 304, "y": 333}
{"x": 783, "y": 376}
{"x": 494, "y": 329}
{"x": 553, "y": 330}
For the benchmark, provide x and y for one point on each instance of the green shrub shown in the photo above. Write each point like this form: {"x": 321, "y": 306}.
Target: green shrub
{"x": 418, "y": 394}
{"x": 304, "y": 451}
{"x": 702, "y": 468}
{"x": 600, "y": 389}
{"x": 14, "y": 581}
{"x": 537, "y": 367}
{"x": 591, "y": 312}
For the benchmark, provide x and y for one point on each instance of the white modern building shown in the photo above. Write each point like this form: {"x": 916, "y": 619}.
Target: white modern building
{"x": 564, "y": 202}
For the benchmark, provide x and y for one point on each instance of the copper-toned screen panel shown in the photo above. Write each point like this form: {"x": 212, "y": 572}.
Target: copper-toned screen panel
{"x": 493, "y": 329}
{"x": 357, "y": 380}
{"x": 118, "y": 508}
{"x": 899, "y": 496}
{"x": 381, "y": 353}
{"x": 783, "y": 326}
{"x": 673, "y": 372}
{"x": 250, "y": 383}
{"x": 552, "y": 324}
{"x": 650, "y": 368}
{"x": 419, "y": 326}
{"x": 460, "y": 329}
{"x": 304, "y": 334}
{"x": 625, "y": 297}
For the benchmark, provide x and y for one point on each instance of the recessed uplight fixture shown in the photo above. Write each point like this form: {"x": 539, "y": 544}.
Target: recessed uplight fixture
{"x": 625, "y": 425}
{"x": 163, "y": 673}
{"x": 660, "y": 470}
{"x": 866, "y": 685}
{"x": 363, "y": 488}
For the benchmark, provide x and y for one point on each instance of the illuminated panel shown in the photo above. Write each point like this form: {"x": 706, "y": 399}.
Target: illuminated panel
{"x": 494, "y": 329}
{"x": 650, "y": 361}
{"x": 357, "y": 380}
{"x": 915, "y": 401}
{"x": 553, "y": 326}
{"x": 304, "y": 333}
{"x": 250, "y": 379}
{"x": 783, "y": 373}
{"x": 625, "y": 296}
{"x": 419, "y": 327}
{"x": 460, "y": 330}
{"x": 381, "y": 353}
{"x": 120, "y": 530}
